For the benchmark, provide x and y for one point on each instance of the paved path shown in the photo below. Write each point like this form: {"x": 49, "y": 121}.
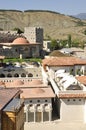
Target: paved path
{"x": 54, "y": 126}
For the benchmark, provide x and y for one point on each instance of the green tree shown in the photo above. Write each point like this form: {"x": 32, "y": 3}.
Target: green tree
{"x": 18, "y": 30}
{"x": 69, "y": 41}
{"x": 54, "y": 45}
{"x": 85, "y": 31}
{"x": 63, "y": 43}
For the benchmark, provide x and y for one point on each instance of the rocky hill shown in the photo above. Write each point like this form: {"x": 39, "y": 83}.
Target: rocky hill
{"x": 81, "y": 16}
{"x": 55, "y": 25}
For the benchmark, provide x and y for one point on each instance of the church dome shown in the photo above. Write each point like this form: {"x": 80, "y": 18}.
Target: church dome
{"x": 20, "y": 40}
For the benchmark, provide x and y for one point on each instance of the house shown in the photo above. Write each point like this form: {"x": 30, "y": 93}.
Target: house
{"x": 11, "y": 107}
{"x": 38, "y": 104}
{"x": 37, "y": 97}
{"x": 71, "y": 96}
{"x": 72, "y": 65}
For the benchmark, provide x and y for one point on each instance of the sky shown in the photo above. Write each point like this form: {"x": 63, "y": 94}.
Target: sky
{"x": 67, "y": 7}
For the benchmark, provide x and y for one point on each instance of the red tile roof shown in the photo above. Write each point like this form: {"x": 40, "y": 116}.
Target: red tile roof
{"x": 37, "y": 93}
{"x": 20, "y": 84}
{"x": 72, "y": 94}
{"x": 81, "y": 79}
{"x": 63, "y": 61}
{"x": 6, "y": 95}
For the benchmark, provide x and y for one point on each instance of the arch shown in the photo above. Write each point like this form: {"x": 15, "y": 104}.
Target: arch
{"x": 9, "y": 75}
{"x": 30, "y": 75}
{"x": 23, "y": 75}
{"x": 2, "y": 75}
{"x": 16, "y": 75}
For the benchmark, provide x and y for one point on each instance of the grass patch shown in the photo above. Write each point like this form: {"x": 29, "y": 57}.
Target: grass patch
{"x": 22, "y": 60}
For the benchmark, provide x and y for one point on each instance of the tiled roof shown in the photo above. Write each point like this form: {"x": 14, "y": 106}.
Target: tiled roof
{"x": 21, "y": 84}
{"x": 37, "y": 93}
{"x": 35, "y": 82}
{"x": 72, "y": 94}
{"x": 81, "y": 79}
{"x": 6, "y": 95}
{"x": 63, "y": 61}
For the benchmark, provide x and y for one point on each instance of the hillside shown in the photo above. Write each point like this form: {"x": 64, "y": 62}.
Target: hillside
{"x": 81, "y": 16}
{"x": 55, "y": 25}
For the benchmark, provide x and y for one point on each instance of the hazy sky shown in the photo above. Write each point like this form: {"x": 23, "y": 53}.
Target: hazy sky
{"x": 69, "y": 7}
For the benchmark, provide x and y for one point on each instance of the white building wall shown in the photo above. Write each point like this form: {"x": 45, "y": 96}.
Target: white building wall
{"x": 72, "y": 110}
{"x": 46, "y": 45}
{"x": 85, "y": 112}
{"x": 68, "y": 69}
{"x": 38, "y": 110}
{"x": 35, "y": 101}
{"x": 52, "y": 70}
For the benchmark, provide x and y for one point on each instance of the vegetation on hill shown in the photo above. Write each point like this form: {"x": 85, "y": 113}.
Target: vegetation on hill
{"x": 22, "y": 60}
{"x": 69, "y": 42}
{"x": 56, "y": 25}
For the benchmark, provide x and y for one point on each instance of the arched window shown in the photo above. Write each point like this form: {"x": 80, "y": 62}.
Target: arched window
{"x": 78, "y": 72}
{"x": 16, "y": 75}
{"x": 9, "y": 75}
{"x": 2, "y": 75}
{"x": 71, "y": 71}
{"x": 30, "y": 75}
{"x": 23, "y": 75}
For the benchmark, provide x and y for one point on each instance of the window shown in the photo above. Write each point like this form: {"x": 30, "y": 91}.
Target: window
{"x": 71, "y": 71}
{"x": 38, "y": 105}
{"x": 16, "y": 75}
{"x": 31, "y": 105}
{"x": 45, "y": 116}
{"x": 9, "y": 75}
{"x": 38, "y": 116}
{"x": 23, "y": 75}
{"x": 38, "y": 100}
{"x": 2, "y": 75}
{"x": 30, "y": 101}
{"x": 30, "y": 116}
{"x": 68, "y": 100}
{"x": 30, "y": 75}
{"x": 24, "y": 117}
{"x": 16, "y": 50}
{"x": 46, "y": 105}
{"x": 79, "y": 99}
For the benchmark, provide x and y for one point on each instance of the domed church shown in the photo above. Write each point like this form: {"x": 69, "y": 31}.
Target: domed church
{"x": 21, "y": 47}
